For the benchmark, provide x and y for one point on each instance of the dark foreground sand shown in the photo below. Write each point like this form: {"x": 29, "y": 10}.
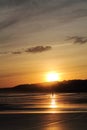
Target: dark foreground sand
{"x": 62, "y": 121}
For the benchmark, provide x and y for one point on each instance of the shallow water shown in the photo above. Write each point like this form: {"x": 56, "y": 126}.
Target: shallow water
{"x": 43, "y": 103}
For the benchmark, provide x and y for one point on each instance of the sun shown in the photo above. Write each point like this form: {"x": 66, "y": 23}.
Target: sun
{"x": 52, "y": 76}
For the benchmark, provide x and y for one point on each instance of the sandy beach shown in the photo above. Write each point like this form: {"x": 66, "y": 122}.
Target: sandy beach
{"x": 53, "y": 121}
{"x": 43, "y": 112}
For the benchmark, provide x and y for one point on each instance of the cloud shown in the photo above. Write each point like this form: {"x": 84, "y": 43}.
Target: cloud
{"x": 12, "y": 2}
{"x": 17, "y": 52}
{"x": 9, "y": 52}
{"x": 78, "y": 39}
{"x": 38, "y": 49}
{"x": 4, "y": 53}
{"x": 22, "y": 18}
{"x": 23, "y": 10}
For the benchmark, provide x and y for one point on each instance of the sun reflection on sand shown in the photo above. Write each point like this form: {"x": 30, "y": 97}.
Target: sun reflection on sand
{"x": 53, "y": 103}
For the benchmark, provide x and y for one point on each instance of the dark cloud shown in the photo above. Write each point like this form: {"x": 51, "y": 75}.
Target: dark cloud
{"x": 38, "y": 49}
{"x": 17, "y": 52}
{"x": 14, "y": 52}
{"x": 78, "y": 39}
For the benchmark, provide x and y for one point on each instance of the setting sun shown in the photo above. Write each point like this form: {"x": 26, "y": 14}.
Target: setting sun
{"x": 52, "y": 76}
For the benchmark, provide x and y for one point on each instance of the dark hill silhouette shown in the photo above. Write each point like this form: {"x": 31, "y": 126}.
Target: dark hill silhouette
{"x": 70, "y": 86}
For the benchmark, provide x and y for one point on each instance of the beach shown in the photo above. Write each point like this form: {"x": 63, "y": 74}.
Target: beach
{"x": 42, "y": 111}
{"x": 51, "y": 121}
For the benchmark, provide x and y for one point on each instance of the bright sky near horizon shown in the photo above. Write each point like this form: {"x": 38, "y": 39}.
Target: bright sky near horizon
{"x": 40, "y": 36}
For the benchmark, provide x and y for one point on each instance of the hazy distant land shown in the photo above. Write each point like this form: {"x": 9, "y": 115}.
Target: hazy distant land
{"x": 69, "y": 86}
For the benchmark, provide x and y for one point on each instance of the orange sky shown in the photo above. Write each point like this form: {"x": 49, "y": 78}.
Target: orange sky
{"x": 37, "y": 37}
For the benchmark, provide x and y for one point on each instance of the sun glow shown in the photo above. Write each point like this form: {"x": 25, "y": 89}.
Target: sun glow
{"x": 52, "y": 76}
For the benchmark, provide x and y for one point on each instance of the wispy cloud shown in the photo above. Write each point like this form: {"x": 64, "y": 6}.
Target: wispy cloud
{"x": 23, "y": 10}
{"x": 22, "y": 17}
{"x": 38, "y": 49}
{"x": 78, "y": 39}
{"x": 4, "y": 53}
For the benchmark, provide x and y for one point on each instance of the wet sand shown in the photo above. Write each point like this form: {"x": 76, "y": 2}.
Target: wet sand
{"x": 51, "y": 121}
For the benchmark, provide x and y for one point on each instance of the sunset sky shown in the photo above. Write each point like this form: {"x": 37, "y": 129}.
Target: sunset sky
{"x": 40, "y": 36}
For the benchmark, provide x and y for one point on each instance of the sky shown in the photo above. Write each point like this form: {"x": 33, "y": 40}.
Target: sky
{"x": 39, "y": 36}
